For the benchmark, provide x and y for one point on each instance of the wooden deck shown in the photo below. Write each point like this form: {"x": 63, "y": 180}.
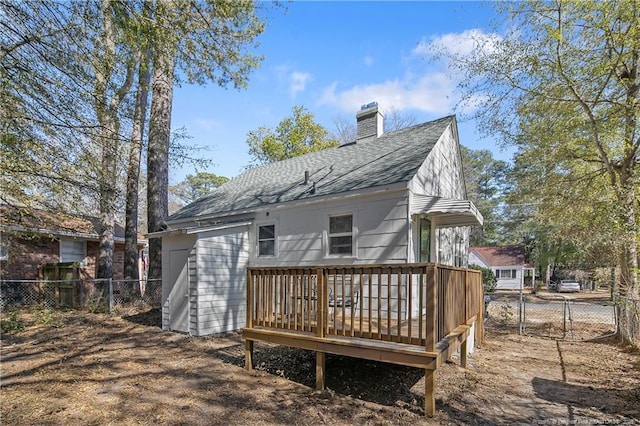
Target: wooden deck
{"x": 410, "y": 314}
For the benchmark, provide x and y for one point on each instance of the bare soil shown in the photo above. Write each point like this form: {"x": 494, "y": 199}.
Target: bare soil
{"x": 81, "y": 368}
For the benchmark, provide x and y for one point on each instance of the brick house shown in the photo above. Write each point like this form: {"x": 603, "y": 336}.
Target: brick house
{"x": 31, "y": 238}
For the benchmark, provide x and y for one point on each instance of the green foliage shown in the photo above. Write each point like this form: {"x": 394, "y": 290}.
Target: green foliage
{"x": 485, "y": 180}
{"x": 197, "y": 186}
{"x": 489, "y": 280}
{"x": 562, "y": 87}
{"x": 46, "y": 316}
{"x": 294, "y": 136}
{"x": 11, "y": 324}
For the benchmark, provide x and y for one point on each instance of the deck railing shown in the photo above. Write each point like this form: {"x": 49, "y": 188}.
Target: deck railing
{"x": 415, "y": 304}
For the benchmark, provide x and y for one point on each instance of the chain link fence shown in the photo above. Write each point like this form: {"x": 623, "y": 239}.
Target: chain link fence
{"x": 575, "y": 317}
{"x": 104, "y": 295}
{"x": 629, "y": 319}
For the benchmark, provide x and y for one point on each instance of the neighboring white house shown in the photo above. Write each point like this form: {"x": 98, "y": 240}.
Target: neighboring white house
{"x": 383, "y": 198}
{"x": 507, "y": 262}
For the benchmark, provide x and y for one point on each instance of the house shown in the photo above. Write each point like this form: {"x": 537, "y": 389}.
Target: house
{"x": 384, "y": 198}
{"x": 507, "y": 262}
{"x": 31, "y": 238}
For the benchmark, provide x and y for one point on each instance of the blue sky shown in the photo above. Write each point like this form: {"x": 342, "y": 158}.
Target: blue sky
{"x": 333, "y": 57}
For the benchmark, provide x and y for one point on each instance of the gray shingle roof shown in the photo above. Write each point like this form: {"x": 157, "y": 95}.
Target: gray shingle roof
{"x": 392, "y": 158}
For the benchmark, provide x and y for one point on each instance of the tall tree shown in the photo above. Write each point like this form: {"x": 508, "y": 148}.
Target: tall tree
{"x": 294, "y": 136}
{"x": 144, "y": 31}
{"x": 47, "y": 125}
{"x": 196, "y": 186}
{"x": 563, "y": 87}
{"x": 111, "y": 88}
{"x": 208, "y": 41}
{"x": 485, "y": 180}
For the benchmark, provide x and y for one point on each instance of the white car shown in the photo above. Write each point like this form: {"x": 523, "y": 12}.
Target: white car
{"x": 568, "y": 285}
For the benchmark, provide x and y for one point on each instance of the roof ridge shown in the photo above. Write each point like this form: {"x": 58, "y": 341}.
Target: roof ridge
{"x": 393, "y": 157}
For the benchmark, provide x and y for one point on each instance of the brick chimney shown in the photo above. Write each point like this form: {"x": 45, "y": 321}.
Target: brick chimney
{"x": 370, "y": 121}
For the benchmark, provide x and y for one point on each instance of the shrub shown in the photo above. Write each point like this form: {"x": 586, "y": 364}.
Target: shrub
{"x": 489, "y": 279}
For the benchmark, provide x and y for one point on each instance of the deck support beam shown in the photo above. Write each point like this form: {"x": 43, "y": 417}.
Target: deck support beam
{"x": 429, "y": 392}
{"x": 248, "y": 355}
{"x": 320, "y": 369}
{"x": 463, "y": 353}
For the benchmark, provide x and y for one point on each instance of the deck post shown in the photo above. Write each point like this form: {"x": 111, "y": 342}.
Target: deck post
{"x": 248, "y": 355}
{"x": 249, "y": 299}
{"x": 431, "y": 308}
{"x": 463, "y": 353}
{"x": 321, "y": 318}
{"x": 320, "y": 364}
{"x": 321, "y": 303}
{"x": 429, "y": 392}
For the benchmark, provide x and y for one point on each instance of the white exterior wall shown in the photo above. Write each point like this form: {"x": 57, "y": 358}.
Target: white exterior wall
{"x": 219, "y": 299}
{"x": 441, "y": 176}
{"x": 204, "y": 281}
{"x": 380, "y": 225}
{"x": 474, "y": 259}
{"x": 176, "y": 281}
{"x": 509, "y": 283}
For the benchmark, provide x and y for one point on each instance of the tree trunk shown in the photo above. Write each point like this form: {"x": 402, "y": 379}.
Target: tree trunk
{"x": 629, "y": 285}
{"x": 131, "y": 262}
{"x": 107, "y": 119}
{"x": 158, "y": 155}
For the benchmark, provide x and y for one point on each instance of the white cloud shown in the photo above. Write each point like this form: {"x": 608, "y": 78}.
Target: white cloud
{"x": 298, "y": 82}
{"x": 463, "y": 43}
{"x": 429, "y": 93}
{"x": 427, "y": 86}
{"x": 368, "y": 60}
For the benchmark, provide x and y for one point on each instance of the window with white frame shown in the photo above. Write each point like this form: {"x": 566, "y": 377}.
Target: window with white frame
{"x": 73, "y": 250}
{"x": 4, "y": 249}
{"x": 267, "y": 240}
{"x": 506, "y": 273}
{"x": 341, "y": 235}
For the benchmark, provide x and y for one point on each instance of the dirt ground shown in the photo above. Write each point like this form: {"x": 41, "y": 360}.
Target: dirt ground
{"x": 80, "y": 368}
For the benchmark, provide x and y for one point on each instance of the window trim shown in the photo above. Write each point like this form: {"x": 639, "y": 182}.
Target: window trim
{"x": 84, "y": 251}
{"x": 513, "y": 273}
{"x": 275, "y": 239}
{"x": 353, "y": 234}
{"x": 4, "y": 248}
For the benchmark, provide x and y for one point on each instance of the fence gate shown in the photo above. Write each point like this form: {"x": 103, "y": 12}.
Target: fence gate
{"x": 61, "y": 284}
{"x": 561, "y": 317}
{"x": 554, "y": 316}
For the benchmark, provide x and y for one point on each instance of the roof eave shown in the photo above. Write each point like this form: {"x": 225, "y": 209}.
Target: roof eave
{"x": 400, "y": 186}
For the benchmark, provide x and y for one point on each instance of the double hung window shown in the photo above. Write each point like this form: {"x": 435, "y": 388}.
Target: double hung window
{"x": 341, "y": 235}
{"x": 506, "y": 273}
{"x": 267, "y": 240}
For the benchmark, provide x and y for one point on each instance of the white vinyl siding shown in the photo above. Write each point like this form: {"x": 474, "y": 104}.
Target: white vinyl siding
{"x": 220, "y": 295}
{"x": 441, "y": 176}
{"x": 73, "y": 250}
{"x": 380, "y": 232}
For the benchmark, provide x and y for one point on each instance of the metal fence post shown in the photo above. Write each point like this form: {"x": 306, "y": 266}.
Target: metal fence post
{"x": 110, "y": 295}
{"x": 564, "y": 318}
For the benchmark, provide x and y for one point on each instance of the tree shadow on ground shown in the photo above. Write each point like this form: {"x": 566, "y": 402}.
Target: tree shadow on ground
{"x": 605, "y": 400}
{"x": 372, "y": 381}
{"x": 150, "y": 318}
